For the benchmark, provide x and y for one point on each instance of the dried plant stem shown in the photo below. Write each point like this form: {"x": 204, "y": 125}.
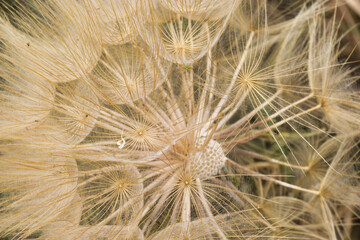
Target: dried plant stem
{"x": 162, "y": 195}
{"x": 355, "y": 5}
{"x": 230, "y": 131}
{"x": 202, "y": 100}
{"x": 252, "y": 113}
{"x": 186, "y": 210}
{"x": 225, "y": 97}
{"x": 208, "y": 210}
{"x": 272, "y": 160}
{"x": 173, "y": 109}
{"x": 269, "y": 128}
{"x": 267, "y": 178}
{"x": 234, "y": 109}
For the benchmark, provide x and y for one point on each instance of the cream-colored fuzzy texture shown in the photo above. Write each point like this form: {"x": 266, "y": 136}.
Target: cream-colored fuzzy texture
{"x": 191, "y": 119}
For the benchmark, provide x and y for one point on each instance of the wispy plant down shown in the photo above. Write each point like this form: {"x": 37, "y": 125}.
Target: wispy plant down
{"x": 187, "y": 119}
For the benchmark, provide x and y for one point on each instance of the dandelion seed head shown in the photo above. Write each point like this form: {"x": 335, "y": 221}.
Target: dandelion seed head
{"x": 119, "y": 185}
{"x": 148, "y": 115}
{"x": 200, "y": 9}
{"x": 142, "y": 136}
{"x": 186, "y": 181}
{"x": 179, "y": 48}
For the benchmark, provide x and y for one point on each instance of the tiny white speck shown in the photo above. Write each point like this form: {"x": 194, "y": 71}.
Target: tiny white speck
{"x": 121, "y": 143}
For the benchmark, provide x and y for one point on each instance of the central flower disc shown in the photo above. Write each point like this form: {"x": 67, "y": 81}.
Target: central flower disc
{"x": 209, "y": 161}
